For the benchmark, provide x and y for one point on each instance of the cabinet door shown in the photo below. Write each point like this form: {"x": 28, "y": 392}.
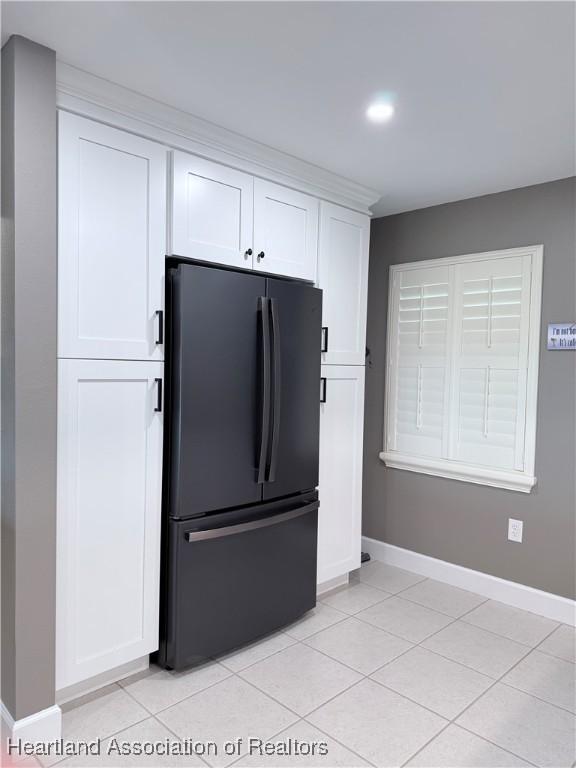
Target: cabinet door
{"x": 108, "y": 531}
{"x": 212, "y": 217}
{"x": 285, "y": 231}
{"x": 340, "y": 487}
{"x": 112, "y": 244}
{"x": 343, "y": 277}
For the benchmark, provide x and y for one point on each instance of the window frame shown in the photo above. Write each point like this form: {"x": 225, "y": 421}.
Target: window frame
{"x": 510, "y": 479}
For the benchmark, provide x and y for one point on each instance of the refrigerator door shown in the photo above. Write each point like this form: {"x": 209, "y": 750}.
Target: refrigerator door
{"x": 295, "y": 330}
{"x": 235, "y": 576}
{"x": 215, "y": 389}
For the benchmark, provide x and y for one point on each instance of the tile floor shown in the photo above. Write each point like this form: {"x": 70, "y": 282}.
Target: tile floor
{"x": 392, "y": 670}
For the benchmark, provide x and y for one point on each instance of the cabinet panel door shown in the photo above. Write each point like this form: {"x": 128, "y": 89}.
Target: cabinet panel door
{"x": 340, "y": 487}
{"x": 112, "y": 242}
{"x": 285, "y": 231}
{"x": 108, "y": 531}
{"x": 343, "y": 276}
{"x": 212, "y": 217}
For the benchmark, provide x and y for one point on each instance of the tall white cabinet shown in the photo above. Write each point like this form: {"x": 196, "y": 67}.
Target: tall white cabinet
{"x": 343, "y": 276}
{"x": 112, "y": 246}
{"x": 341, "y": 431}
{"x": 111, "y": 242}
{"x": 109, "y": 490}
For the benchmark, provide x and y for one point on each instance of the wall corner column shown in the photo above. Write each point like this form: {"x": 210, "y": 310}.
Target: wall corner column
{"x": 29, "y": 383}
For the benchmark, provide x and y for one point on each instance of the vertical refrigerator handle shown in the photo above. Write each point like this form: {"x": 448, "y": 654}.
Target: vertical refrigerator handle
{"x": 276, "y": 389}
{"x": 264, "y": 316}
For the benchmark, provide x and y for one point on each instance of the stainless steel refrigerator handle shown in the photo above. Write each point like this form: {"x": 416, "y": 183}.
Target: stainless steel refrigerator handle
{"x": 276, "y": 389}
{"x": 264, "y": 315}
{"x": 217, "y": 533}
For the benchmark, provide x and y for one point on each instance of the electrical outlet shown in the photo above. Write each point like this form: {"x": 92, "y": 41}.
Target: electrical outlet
{"x": 515, "y": 529}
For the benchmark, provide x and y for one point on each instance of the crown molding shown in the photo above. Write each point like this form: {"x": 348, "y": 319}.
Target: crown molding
{"x": 85, "y": 94}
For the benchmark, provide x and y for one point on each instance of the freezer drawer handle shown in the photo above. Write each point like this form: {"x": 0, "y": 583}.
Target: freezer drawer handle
{"x": 230, "y": 530}
{"x": 324, "y": 342}
{"x": 160, "y": 316}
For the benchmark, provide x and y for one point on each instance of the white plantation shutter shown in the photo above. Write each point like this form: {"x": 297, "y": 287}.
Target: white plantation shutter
{"x": 420, "y": 358}
{"x": 490, "y": 361}
{"x": 462, "y": 367}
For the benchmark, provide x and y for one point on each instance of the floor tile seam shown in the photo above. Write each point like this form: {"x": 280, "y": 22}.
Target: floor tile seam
{"x": 104, "y": 738}
{"x": 274, "y": 653}
{"x": 435, "y": 653}
{"x": 504, "y": 749}
{"x": 454, "y": 720}
{"x": 271, "y": 696}
{"x": 179, "y": 738}
{"x": 189, "y": 696}
{"x": 437, "y": 610}
{"x": 553, "y": 656}
{"x": 338, "y": 621}
{"x": 520, "y": 642}
{"x": 539, "y": 698}
{"x": 341, "y": 743}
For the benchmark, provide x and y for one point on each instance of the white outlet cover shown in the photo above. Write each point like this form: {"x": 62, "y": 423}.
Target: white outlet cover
{"x": 515, "y": 529}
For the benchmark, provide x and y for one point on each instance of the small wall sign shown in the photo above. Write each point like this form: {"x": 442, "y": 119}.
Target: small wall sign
{"x": 562, "y": 336}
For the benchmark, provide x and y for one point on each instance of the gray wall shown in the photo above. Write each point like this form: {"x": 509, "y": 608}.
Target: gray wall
{"x": 28, "y": 376}
{"x": 461, "y": 522}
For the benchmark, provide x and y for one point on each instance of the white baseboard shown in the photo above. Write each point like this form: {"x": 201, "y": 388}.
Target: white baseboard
{"x": 77, "y": 690}
{"x": 45, "y": 725}
{"x": 509, "y": 592}
{"x": 326, "y": 586}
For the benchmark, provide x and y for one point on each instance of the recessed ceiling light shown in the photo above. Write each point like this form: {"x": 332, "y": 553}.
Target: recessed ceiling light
{"x": 380, "y": 111}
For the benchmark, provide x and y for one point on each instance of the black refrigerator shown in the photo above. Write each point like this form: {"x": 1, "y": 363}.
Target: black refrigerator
{"x": 240, "y": 460}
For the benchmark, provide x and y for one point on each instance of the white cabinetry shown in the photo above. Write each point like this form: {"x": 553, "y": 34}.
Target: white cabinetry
{"x": 285, "y": 231}
{"x": 343, "y": 276}
{"x": 212, "y": 211}
{"x": 108, "y": 537}
{"x": 112, "y": 244}
{"x": 224, "y": 216}
{"x": 340, "y": 487}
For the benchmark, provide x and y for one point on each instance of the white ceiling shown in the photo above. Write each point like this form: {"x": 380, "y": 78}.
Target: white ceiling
{"x": 484, "y": 90}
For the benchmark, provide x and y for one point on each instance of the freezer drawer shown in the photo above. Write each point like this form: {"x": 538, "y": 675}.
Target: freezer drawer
{"x": 230, "y": 584}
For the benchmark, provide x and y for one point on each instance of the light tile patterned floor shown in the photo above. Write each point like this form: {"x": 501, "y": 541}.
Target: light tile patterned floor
{"x": 392, "y": 670}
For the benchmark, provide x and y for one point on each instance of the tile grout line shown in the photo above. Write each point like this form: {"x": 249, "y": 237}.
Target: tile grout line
{"x": 453, "y": 721}
{"x": 179, "y": 738}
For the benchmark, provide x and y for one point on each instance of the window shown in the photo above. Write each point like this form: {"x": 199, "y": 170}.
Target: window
{"x": 462, "y": 367}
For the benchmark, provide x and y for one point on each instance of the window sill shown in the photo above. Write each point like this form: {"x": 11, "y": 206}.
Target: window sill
{"x": 511, "y": 480}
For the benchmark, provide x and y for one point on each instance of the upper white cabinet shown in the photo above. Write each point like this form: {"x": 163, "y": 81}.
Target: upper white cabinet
{"x": 228, "y": 217}
{"x": 285, "y": 231}
{"x": 340, "y": 485}
{"x": 108, "y": 532}
{"x": 112, "y": 224}
{"x": 343, "y": 276}
{"x": 212, "y": 211}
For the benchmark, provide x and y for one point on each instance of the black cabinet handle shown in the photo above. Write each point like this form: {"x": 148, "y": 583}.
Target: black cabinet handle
{"x": 248, "y": 252}
{"x": 160, "y": 316}
{"x": 158, "y": 407}
{"x": 323, "y": 389}
{"x": 324, "y": 342}
{"x": 261, "y": 255}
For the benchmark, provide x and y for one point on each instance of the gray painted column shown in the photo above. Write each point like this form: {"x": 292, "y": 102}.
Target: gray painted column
{"x": 29, "y": 271}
